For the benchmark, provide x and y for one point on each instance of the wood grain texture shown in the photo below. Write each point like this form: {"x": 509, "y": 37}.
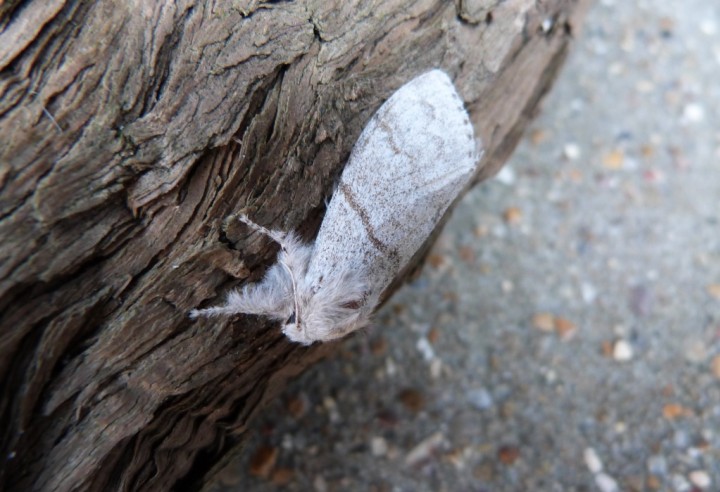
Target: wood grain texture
{"x": 131, "y": 134}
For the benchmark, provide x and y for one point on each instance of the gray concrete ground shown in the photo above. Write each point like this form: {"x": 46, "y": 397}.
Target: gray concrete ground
{"x": 565, "y": 333}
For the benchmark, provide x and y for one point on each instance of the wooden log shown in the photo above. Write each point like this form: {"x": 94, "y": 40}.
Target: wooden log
{"x": 130, "y": 135}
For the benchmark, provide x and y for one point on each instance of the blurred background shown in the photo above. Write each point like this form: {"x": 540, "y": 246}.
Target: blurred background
{"x": 565, "y": 332}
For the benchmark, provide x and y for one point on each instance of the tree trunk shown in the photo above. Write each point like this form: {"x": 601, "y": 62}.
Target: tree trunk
{"x": 130, "y": 132}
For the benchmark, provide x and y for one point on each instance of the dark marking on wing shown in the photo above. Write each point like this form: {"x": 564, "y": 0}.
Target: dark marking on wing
{"x": 345, "y": 189}
{"x": 390, "y": 136}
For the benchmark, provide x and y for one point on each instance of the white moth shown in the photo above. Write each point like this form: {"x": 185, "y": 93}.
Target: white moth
{"x": 411, "y": 161}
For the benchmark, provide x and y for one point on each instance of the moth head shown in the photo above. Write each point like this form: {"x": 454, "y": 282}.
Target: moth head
{"x": 328, "y": 308}
{"x": 296, "y": 334}
{"x": 295, "y": 331}
{"x": 324, "y": 323}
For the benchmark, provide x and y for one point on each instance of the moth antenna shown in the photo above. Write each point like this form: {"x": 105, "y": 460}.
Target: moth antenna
{"x": 295, "y": 292}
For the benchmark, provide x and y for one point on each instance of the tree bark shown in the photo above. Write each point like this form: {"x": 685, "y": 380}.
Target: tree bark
{"x": 131, "y": 134}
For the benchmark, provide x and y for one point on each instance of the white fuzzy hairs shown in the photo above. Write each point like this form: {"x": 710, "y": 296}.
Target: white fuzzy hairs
{"x": 285, "y": 295}
{"x": 412, "y": 159}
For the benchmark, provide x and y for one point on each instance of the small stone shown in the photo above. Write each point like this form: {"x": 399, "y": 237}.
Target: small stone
{"x": 467, "y": 254}
{"x": 703, "y": 443}
{"x": 657, "y": 465}
{"x": 680, "y": 483}
{"x": 425, "y": 348}
{"x": 592, "y": 460}
{"x": 229, "y": 476}
{"x": 507, "y": 410}
{"x": 588, "y": 293}
{"x": 484, "y": 472}
{"x": 695, "y": 350}
{"x": 412, "y": 399}
{"x": 628, "y": 42}
{"x": 390, "y": 367}
{"x": 329, "y": 403}
{"x": 332, "y": 409}
{"x": 667, "y": 26}
{"x": 714, "y": 290}
{"x": 645, "y": 86}
{"x": 547, "y": 25}
{"x": 616, "y": 68}
{"x": 436, "y": 367}
{"x": 700, "y": 478}
{"x": 640, "y": 300}
{"x": 708, "y": 27}
{"x": 297, "y": 406}
{"x": 450, "y": 296}
{"x": 614, "y": 160}
{"x": 653, "y": 175}
{"x": 379, "y": 346}
{"x": 606, "y": 483}
{"x": 607, "y": 349}
{"x": 512, "y": 215}
{"x": 565, "y": 328}
{"x": 282, "y": 476}
{"x": 653, "y": 482}
{"x": 575, "y": 175}
{"x": 506, "y": 176}
{"x": 681, "y": 439}
{"x": 715, "y": 366}
{"x": 378, "y": 446}
{"x": 481, "y": 231}
{"x": 693, "y": 113}
{"x": 457, "y": 458}
{"x": 424, "y": 449}
{"x": 647, "y": 150}
{"x": 544, "y": 322}
{"x": 386, "y": 418}
{"x": 571, "y": 151}
{"x": 634, "y": 483}
{"x": 622, "y": 351}
{"x": 538, "y": 136}
{"x": 480, "y": 398}
{"x": 672, "y": 411}
{"x": 436, "y": 260}
{"x": 508, "y": 455}
{"x": 319, "y": 484}
{"x": 263, "y": 461}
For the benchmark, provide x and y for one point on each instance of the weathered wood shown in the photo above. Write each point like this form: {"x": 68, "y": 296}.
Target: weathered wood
{"x": 130, "y": 135}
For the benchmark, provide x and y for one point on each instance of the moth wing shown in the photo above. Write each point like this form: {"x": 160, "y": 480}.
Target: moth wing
{"x": 411, "y": 160}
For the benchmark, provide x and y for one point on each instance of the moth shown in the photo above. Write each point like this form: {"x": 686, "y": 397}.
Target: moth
{"x": 413, "y": 158}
